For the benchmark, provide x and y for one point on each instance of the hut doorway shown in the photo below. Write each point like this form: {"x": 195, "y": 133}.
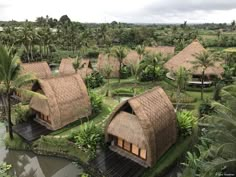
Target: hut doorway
{"x": 132, "y": 148}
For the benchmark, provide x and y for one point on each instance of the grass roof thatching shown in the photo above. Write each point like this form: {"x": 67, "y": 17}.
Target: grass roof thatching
{"x": 66, "y": 67}
{"x": 67, "y": 100}
{"x": 166, "y": 50}
{"x": 185, "y": 58}
{"x": 131, "y": 58}
{"x": 104, "y": 60}
{"x": 40, "y": 69}
{"x": 151, "y": 126}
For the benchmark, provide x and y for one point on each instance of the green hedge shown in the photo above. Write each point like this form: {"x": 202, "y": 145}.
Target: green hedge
{"x": 58, "y": 146}
{"x": 123, "y": 92}
{"x": 198, "y": 89}
{"x": 17, "y": 143}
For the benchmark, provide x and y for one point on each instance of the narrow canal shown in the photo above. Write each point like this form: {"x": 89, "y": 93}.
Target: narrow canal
{"x": 27, "y": 164}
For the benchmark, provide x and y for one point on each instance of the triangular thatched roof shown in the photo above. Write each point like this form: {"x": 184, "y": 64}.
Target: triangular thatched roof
{"x": 131, "y": 58}
{"x": 67, "y": 100}
{"x": 66, "y": 67}
{"x": 103, "y": 60}
{"x": 148, "y": 121}
{"x": 185, "y": 58}
{"x": 165, "y": 50}
{"x": 40, "y": 69}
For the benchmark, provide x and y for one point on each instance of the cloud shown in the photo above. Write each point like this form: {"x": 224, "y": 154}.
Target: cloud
{"x": 178, "y": 11}
{"x": 132, "y": 11}
{"x": 190, "y": 5}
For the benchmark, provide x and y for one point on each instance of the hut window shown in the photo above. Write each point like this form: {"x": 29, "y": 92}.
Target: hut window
{"x": 120, "y": 142}
{"x": 127, "y": 145}
{"x": 135, "y": 149}
{"x": 143, "y": 153}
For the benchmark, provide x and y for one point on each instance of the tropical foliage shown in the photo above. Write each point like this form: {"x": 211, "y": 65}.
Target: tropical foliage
{"x": 152, "y": 67}
{"x": 107, "y": 72}
{"x": 186, "y": 121}
{"x": 215, "y": 154}
{"x": 203, "y": 61}
{"x": 21, "y": 113}
{"x": 94, "y": 80}
{"x": 120, "y": 53}
{"x": 96, "y": 102}
{"x": 4, "y": 169}
{"x": 182, "y": 77}
{"x": 12, "y": 80}
{"x": 88, "y": 137}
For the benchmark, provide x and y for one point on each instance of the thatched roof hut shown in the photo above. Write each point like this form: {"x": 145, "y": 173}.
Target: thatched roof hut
{"x": 185, "y": 58}
{"x": 67, "y": 101}
{"x": 104, "y": 60}
{"x": 143, "y": 128}
{"x": 66, "y": 67}
{"x": 165, "y": 50}
{"x": 133, "y": 56}
{"x": 40, "y": 69}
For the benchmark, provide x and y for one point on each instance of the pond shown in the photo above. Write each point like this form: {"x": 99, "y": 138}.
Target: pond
{"x": 27, "y": 164}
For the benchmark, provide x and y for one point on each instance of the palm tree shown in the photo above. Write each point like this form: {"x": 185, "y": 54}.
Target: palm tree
{"x": 103, "y": 33}
{"x": 76, "y": 64}
{"x": 135, "y": 71}
{"x": 26, "y": 37}
{"x": 140, "y": 49}
{"x": 120, "y": 53}
{"x": 221, "y": 132}
{"x": 233, "y": 25}
{"x": 203, "y": 60}
{"x": 153, "y": 60}
{"x": 219, "y": 33}
{"x": 12, "y": 80}
{"x": 107, "y": 72}
{"x": 181, "y": 78}
{"x": 218, "y": 142}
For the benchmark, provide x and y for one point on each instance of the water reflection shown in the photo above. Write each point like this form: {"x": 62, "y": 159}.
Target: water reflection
{"x": 27, "y": 164}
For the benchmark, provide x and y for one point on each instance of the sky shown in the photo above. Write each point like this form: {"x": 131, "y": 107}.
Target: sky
{"x": 130, "y": 11}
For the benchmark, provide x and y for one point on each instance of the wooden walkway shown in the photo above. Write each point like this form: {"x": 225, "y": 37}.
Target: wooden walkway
{"x": 31, "y": 130}
{"x": 111, "y": 164}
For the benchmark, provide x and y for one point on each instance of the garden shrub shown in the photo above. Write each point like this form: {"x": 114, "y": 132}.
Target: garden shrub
{"x": 186, "y": 121}
{"x": 198, "y": 89}
{"x": 21, "y": 113}
{"x": 85, "y": 175}
{"x": 96, "y": 103}
{"x": 17, "y": 143}
{"x": 123, "y": 92}
{"x": 95, "y": 79}
{"x": 88, "y": 137}
{"x": 147, "y": 74}
{"x": 4, "y": 169}
{"x": 184, "y": 98}
{"x": 91, "y": 53}
{"x": 205, "y": 108}
{"x": 125, "y": 72}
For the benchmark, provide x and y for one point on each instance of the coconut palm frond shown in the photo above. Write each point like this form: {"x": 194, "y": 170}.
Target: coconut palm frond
{"x": 25, "y": 79}
{"x": 28, "y": 93}
{"x": 228, "y": 148}
{"x": 218, "y": 163}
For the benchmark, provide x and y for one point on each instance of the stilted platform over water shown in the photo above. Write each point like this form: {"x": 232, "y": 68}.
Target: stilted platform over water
{"x": 111, "y": 164}
{"x": 31, "y": 130}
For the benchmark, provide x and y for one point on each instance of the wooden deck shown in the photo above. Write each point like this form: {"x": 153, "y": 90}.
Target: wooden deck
{"x": 111, "y": 164}
{"x": 31, "y": 130}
